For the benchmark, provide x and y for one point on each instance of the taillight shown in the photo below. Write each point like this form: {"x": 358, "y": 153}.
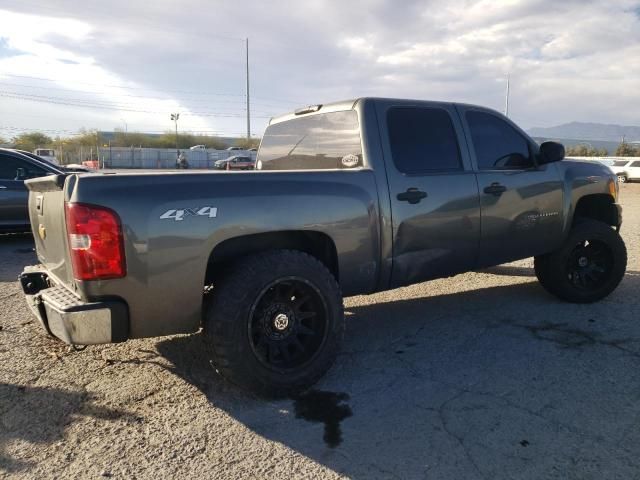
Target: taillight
{"x": 95, "y": 240}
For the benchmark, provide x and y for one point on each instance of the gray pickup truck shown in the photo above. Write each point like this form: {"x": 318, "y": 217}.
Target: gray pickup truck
{"x": 347, "y": 198}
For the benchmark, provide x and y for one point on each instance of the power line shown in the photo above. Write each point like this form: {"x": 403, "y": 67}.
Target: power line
{"x": 101, "y": 103}
{"x": 104, "y": 106}
{"x": 194, "y": 131}
{"x": 94, "y": 92}
{"x": 186, "y": 92}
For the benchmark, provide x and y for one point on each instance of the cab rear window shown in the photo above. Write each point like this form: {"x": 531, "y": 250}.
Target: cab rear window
{"x": 315, "y": 142}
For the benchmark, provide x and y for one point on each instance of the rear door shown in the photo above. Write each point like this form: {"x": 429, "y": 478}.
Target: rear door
{"x": 520, "y": 203}
{"x": 433, "y": 191}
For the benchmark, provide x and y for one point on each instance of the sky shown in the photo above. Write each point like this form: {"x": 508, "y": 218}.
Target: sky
{"x": 71, "y": 64}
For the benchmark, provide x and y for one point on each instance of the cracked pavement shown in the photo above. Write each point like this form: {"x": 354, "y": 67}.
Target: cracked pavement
{"x": 483, "y": 375}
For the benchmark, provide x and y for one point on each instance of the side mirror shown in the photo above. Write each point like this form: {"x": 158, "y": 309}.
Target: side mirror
{"x": 551, "y": 152}
{"x": 21, "y": 174}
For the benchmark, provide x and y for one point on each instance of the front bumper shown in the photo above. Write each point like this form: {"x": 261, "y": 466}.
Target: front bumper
{"x": 67, "y": 317}
{"x": 618, "y": 208}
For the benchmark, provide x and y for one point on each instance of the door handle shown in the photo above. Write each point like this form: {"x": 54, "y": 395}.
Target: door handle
{"x": 2, "y": 187}
{"x": 412, "y": 195}
{"x": 495, "y": 189}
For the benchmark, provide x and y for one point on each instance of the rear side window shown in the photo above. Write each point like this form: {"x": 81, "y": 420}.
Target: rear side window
{"x": 635, "y": 164}
{"x": 317, "y": 142}
{"x": 620, "y": 163}
{"x": 497, "y": 144}
{"x": 423, "y": 140}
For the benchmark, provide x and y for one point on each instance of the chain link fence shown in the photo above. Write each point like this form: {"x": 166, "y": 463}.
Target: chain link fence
{"x": 162, "y": 158}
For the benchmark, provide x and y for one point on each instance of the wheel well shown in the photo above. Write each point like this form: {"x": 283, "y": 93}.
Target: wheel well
{"x": 317, "y": 244}
{"x": 597, "y": 207}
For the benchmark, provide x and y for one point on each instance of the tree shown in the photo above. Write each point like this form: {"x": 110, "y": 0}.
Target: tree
{"x": 577, "y": 151}
{"x": 32, "y": 140}
{"x": 626, "y": 150}
{"x": 585, "y": 151}
{"x": 130, "y": 139}
{"x": 247, "y": 143}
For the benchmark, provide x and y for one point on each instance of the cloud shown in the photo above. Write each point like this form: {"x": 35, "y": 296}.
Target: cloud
{"x": 570, "y": 60}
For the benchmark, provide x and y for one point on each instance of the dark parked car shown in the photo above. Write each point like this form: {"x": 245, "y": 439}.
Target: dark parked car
{"x": 237, "y": 162}
{"x": 71, "y": 168}
{"x": 15, "y": 168}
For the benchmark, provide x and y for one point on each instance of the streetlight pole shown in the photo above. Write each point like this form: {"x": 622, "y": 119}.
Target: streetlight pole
{"x": 175, "y": 117}
{"x": 248, "y": 112}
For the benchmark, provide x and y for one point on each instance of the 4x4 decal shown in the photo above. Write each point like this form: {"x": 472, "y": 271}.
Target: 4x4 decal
{"x": 179, "y": 214}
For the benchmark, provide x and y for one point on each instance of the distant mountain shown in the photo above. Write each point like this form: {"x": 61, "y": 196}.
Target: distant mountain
{"x": 588, "y": 132}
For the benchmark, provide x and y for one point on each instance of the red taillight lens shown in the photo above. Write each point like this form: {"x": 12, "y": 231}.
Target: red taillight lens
{"x": 95, "y": 240}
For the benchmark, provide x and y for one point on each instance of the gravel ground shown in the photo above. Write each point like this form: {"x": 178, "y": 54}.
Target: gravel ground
{"x": 483, "y": 375}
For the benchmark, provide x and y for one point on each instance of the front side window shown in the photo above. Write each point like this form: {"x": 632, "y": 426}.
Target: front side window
{"x": 423, "y": 140}
{"x": 316, "y": 142}
{"x": 635, "y": 164}
{"x": 16, "y": 169}
{"x": 620, "y": 163}
{"x": 497, "y": 144}
{"x": 9, "y": 168}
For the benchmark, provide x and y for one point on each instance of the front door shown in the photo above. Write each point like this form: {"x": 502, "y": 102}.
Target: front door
{"x": 13, "y": 193}
{"x": 433, "y": 190}
{"x": 520, "y": 202}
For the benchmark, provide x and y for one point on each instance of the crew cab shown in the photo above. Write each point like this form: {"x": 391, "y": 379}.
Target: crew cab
{"x": 347, "y": 198}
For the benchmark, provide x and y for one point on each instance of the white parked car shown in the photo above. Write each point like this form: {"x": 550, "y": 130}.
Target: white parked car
{"x": 626, "y": 170}
{"x": 198, "y": 147}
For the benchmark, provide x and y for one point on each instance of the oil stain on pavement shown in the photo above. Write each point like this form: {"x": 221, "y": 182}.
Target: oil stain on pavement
{"x": 326, "y": 407}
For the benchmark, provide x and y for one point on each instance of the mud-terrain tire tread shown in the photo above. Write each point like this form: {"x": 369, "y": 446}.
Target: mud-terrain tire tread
{"x": 227, "y": 311}
{"x": 550, "y": 268}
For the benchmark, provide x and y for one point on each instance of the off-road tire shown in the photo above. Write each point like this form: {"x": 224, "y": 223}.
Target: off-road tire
{"x": 556, "y": 271}
{"x": 229, "y": 314}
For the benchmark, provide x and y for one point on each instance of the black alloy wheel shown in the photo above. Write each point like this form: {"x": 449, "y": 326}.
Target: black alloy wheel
{"x": 589, "y": 265}
{"x": 288, "y": 324}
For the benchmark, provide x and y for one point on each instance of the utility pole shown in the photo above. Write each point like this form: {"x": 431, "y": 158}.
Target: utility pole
{"x": 175, "y": 117}
{"x": 248, "y": 112}
{"x": 506, "y": 100}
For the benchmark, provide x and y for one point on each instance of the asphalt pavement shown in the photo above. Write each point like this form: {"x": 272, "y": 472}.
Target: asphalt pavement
{"x": 483, "y": 375}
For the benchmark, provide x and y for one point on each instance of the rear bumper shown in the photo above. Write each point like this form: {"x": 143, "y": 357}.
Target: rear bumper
{"x": 68, "y": 318}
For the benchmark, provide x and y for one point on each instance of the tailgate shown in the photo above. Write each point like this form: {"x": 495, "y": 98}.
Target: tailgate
{"x": 46, "y": 212}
